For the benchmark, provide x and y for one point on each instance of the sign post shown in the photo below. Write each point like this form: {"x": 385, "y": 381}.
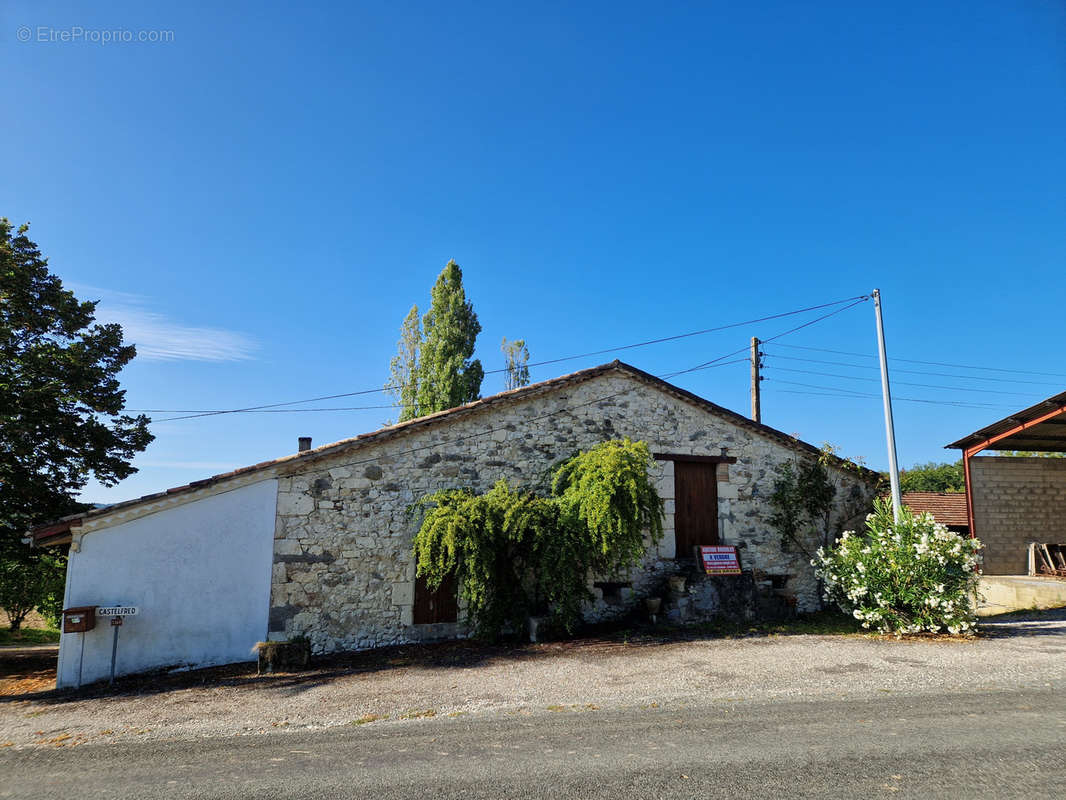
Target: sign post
{"x": 116, "y": 613}
{"x": 719, "y": 559}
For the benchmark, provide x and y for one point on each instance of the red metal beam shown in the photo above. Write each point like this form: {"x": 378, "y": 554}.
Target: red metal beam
{"x": 977, "y": 448}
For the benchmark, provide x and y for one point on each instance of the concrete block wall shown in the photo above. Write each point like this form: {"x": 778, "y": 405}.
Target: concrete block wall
{"x": 1017, "y": 501}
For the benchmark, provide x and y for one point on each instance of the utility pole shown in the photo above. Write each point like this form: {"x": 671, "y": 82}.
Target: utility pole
{"x": 756, "y": 379}
{"x": 890, "y": 431}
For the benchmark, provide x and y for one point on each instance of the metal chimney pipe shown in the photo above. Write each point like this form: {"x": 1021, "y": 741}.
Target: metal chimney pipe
{"x": 304, "y": 444}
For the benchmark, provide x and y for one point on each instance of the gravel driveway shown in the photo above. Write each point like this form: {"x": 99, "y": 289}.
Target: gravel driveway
{"x": 582, "y": 677}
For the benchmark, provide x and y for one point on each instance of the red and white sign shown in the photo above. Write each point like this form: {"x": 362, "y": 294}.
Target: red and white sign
{"x": 720, "y": 559}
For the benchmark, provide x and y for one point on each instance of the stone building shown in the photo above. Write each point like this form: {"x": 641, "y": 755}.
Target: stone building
{"x": 318, "y": 544}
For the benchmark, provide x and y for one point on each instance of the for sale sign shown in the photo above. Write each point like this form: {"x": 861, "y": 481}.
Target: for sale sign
{"x": 720, "y": 559}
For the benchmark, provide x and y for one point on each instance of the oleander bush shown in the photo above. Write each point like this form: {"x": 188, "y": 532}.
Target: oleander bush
{"x": 903, "y": 576}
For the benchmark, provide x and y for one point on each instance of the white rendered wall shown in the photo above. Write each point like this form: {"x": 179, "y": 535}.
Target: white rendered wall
{"x": 199, "y": 574}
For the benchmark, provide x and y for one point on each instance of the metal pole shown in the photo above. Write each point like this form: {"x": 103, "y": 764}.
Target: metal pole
{"x": 81, "y": 657}
{"x": 890, "y": 430}
{"x": 756, "y": 389}
{"x": 114, "y": 650}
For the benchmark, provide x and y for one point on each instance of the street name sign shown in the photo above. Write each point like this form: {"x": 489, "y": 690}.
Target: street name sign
{"x": 116, "y": 611}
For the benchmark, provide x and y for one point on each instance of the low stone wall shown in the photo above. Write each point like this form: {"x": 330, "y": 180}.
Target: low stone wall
{"x": 343, "y": 570}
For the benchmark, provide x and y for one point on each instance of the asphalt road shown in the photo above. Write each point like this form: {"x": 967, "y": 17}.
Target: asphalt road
{"x": 989, "y": 744}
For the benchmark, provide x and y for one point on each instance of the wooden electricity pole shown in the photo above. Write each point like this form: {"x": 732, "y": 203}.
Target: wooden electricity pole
{"x": 756, "y": 394}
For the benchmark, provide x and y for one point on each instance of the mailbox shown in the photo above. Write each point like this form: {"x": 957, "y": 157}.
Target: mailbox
{"x": 79, "y": 619}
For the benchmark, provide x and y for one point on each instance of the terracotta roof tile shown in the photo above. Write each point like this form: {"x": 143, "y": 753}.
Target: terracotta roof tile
{"x": 947, "y": 508}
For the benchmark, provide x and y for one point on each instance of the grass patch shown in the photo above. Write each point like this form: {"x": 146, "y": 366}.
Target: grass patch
{"x": 830, "y": 622}
{"x": 367, "y": 718}
{"x": 427, "y": 714}
{"x": 29, "y": 636}
{"x": 578, "y": 707}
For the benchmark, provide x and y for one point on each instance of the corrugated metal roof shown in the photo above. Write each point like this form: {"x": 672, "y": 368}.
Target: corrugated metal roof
{"x": 1046, "y": 436}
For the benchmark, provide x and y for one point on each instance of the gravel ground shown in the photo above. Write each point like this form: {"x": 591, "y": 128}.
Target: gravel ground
{"x": 401, "y": 688}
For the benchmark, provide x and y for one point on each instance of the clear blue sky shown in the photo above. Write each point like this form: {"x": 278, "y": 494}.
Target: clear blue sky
{"x": 261, "y": 198}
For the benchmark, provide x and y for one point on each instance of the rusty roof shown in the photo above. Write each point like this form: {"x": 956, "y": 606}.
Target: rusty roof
{"x": 57, "y": 532}
{"x": 947, "y": 508}
{"x": 1040, "y": 428}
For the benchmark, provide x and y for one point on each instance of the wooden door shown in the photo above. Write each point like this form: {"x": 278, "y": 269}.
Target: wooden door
{"x": 695, "y": 506}
{"x": 439, "y": 606}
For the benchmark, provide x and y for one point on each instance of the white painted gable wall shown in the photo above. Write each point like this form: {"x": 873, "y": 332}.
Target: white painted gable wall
{"x": 198, "y": 572}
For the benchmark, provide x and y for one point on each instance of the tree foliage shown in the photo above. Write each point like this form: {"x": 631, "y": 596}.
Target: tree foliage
{"x": 448, "y": 376}
{"x": 434, "y": 368}
{"x": 1028, "y": 454}
{"x": 403, "y": 369}
{"x": 61, "y": 419}
{"x": 515, "y": 553}
{"x": 30, "y": 580}
{"x": 517, "y": 362}
{"x": 933, "y": 477}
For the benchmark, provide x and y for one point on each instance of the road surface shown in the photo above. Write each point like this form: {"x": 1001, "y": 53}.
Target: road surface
{"x": 995, "y": 744}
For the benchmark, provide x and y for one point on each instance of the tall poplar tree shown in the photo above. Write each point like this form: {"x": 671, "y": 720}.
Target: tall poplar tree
{"x": 448, "y": 376}
{"x": 516, "y": 355}
{"x": 403, "y": 369}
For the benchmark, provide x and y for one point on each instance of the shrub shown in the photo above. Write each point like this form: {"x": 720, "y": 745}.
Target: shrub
{"x": 515, "y": 553}
{"x": 904, "y": 576}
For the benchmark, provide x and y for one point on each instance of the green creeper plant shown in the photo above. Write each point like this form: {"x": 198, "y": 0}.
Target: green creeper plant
{"x": 515, "y": 553}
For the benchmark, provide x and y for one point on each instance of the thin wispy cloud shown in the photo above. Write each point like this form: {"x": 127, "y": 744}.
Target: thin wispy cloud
{"x": 161, "y": 338}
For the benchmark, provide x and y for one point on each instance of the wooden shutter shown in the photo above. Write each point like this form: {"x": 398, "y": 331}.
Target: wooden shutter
{"x": 695, "y": 505}
{"x": 433, "y": 607}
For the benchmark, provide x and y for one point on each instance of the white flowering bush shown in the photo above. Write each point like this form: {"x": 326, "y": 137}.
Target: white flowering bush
{"x": 903, "y": 577}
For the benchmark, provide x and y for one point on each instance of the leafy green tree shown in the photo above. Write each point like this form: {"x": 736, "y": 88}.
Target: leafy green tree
{"x": 61, "y": 419}
{"x": 403, "y": 369}
{"x": 447, "y": 374}
{"x": 31, "y": 580}
{"x": 517, "y": 356}
{"x": 933, "y": 477}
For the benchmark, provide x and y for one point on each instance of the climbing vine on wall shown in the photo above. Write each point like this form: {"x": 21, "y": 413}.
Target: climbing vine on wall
{"x": 803, "y": 501}
{"x": 516, "y": 553}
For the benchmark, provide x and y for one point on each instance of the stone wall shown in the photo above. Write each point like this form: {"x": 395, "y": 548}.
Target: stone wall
{"x": 1017, "y": 501}
{"x": 343, "y": 570}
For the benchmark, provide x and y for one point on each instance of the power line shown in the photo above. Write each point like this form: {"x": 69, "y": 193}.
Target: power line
{"x": 914, "y": 371}
{"x": 839, "y": 391}
{"x": 200, "y": 412}
{"x": 901, "y": 383}
{"x": 857, "y": 300}
{"x": 928, "y": 363}
{"x": 851, "y": 301}
{"x": 489, "y": 431}
{"x": 984, "y": 406}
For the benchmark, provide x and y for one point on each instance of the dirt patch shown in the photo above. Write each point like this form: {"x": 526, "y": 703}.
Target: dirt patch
{"x": 25, "y": 672}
